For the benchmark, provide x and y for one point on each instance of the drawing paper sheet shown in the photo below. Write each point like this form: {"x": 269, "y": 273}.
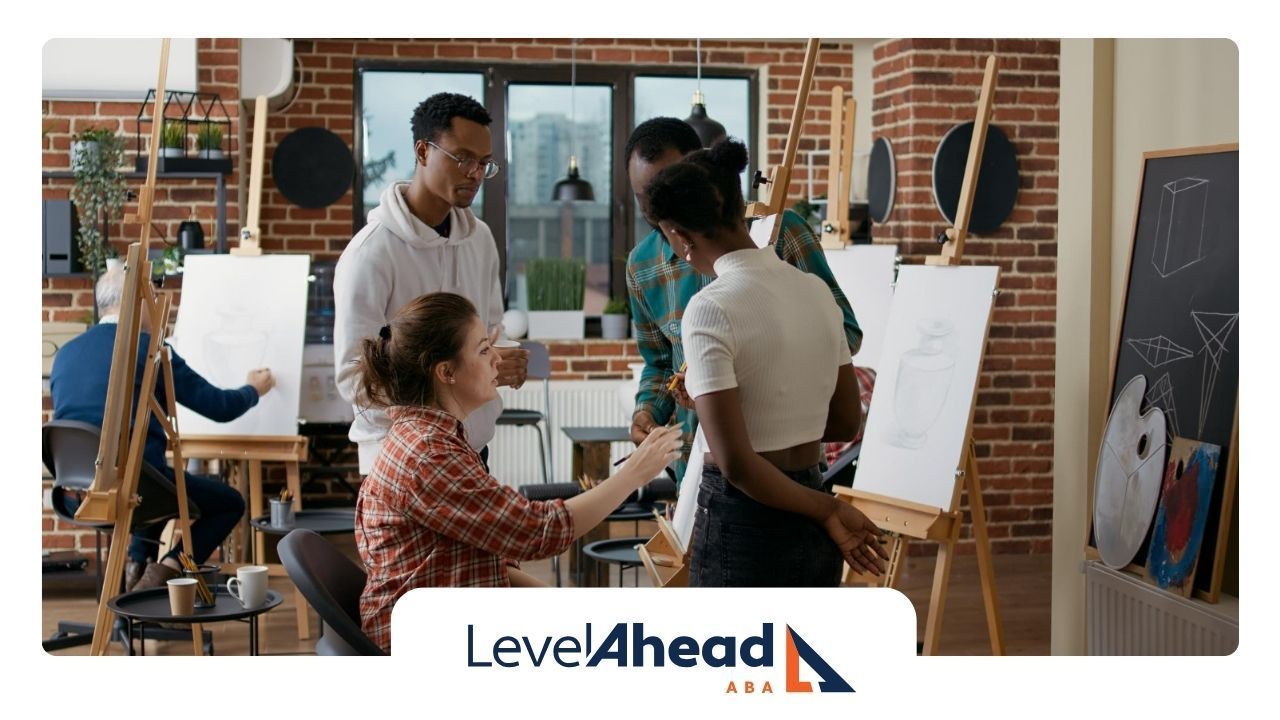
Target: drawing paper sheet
{"x": 239, "y": 313}
{"x": 923, "y": 400}
{"x": 865, "y": 275}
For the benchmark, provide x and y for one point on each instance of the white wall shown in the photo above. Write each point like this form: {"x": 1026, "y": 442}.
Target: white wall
{"x": 115, "y": 69}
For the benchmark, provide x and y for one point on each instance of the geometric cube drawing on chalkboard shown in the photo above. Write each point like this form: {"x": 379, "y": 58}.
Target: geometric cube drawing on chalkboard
{"x": 1180, "y": 225}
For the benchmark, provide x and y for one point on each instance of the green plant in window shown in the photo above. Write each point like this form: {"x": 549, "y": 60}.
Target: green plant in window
{"x": 556, "y": 283}
{"x": 616, "y": 307}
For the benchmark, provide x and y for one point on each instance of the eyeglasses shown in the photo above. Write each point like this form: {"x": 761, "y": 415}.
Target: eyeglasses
{"x": 468, "y": 165}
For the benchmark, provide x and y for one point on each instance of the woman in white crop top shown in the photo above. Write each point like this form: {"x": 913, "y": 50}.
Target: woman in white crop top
{"x": 771, "y": 378}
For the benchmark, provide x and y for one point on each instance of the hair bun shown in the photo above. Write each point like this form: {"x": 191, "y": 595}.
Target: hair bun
{"x": 729, "y": 154}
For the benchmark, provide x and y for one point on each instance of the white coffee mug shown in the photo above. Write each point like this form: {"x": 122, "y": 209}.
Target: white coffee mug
{"x": 252, "y": 582}
{"x": 505, "y": 343}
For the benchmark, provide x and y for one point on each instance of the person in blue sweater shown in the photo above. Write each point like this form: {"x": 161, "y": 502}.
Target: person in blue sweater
{"x": 78, "y": 384}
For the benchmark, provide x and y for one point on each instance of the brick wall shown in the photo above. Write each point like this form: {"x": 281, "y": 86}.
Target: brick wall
{"x": 923, "y": 88}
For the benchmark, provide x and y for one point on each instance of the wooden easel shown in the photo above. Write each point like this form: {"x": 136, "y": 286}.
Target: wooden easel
{"x": 774, "y": 197}
{"x": 250, "y": 234}
{"x": 291, "y": 450}
{"x": 837, "y": 228}
{"x": 904, "y": 519}
{"x": 113, "y": 496}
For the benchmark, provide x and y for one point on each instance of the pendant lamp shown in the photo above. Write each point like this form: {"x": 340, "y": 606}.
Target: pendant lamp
{"x": 709, "y": 131}
{"x": 573, "y": 188}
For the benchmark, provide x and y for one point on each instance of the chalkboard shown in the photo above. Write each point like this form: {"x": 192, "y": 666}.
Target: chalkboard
{"x": 1180, "y": 323}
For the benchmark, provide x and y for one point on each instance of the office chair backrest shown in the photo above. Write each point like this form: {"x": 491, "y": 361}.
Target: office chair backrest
{"x": 539, "y": 359}
{"x": 332, "y": 585}
{"x": 70, "y": 450}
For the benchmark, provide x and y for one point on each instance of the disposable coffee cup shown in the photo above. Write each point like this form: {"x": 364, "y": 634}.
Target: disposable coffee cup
{"x": 182, "y": 596}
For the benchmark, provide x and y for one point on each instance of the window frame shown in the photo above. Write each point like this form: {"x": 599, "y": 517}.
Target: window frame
{"x": 497, "y": 78}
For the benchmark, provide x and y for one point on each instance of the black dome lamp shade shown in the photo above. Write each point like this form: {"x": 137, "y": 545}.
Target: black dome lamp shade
{"x": 709, "y": 131}
{"x": 572, "y": 187}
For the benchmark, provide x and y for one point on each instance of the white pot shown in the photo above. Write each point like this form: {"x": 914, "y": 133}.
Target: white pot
{"x": 90, "y": 149}
{"x": 115, "y": 262}
{"x": 614, "y": 327}
{"x": 211, "y": 154}
{"x": 557, "y": 325}
{"x": 172, "y": 152}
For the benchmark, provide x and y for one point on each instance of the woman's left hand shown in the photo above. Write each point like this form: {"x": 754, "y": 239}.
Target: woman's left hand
{"x": 859, "y": 540}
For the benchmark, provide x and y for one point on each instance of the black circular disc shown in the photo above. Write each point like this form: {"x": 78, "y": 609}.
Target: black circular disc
{"x": 882, "y": 180}
{"x": 997, "y": 178}
{"x": 312, "y": 167}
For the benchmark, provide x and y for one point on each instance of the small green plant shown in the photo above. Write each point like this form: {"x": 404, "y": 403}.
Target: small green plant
{"x": 616, "y": 307}
{"x": 556, "y": 283}
{"x": 173, "y": 135}
{"x": 209, "y": 137}
{"x": 94, "y": 135}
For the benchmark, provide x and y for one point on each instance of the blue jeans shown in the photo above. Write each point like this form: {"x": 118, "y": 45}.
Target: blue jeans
{"x": 221, "y": 507}
{"x": 738, "y": 542}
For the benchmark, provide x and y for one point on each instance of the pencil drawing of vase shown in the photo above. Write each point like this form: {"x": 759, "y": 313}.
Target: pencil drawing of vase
{"x": 235, "y": 347}
{"x": 924, "y": 377}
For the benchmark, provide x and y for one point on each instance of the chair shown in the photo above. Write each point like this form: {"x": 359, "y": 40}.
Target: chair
{"x": 332, "y": 585}
{"x": 69, "y": 451}
{"x": 539, "y": 369}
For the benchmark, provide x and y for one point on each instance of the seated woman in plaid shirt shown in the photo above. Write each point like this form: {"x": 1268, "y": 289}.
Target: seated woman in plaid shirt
{"x": 429, "y": 515}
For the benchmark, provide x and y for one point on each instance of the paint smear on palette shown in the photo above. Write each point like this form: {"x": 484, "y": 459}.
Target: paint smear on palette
{"x": 1183, "y": 510}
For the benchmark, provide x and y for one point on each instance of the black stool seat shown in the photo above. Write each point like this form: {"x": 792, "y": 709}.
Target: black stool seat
{"x": 520, "y": 417}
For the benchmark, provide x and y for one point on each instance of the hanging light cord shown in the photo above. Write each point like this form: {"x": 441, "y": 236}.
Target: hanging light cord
{"x": 698, "y": 57}
{"x": 573, "y": 102}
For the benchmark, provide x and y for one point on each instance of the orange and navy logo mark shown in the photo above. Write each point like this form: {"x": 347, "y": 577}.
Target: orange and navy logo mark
{"x": 797, "y": 650}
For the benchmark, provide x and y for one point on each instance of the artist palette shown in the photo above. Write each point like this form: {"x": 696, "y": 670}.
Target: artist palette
{"x": 1129, "y": 473}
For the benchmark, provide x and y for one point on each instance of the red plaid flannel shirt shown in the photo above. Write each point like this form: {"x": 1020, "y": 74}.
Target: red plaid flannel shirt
{"x": 429, "y": 515}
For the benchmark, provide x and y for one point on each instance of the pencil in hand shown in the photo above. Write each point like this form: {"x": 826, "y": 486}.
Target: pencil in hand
{"x": 671, "y": 386}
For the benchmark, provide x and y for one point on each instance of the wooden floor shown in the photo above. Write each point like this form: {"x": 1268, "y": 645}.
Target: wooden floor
{"x": 1023, "y": 582}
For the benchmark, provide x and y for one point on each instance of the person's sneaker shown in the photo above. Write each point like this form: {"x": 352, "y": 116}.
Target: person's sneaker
{"x": 156, "y": 575}
{"x": 132, "y": 574}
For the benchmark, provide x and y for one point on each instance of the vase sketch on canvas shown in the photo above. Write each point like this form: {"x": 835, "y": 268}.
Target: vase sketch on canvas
{"x": 924, "y": 378}
{"x": 239, "y": 346}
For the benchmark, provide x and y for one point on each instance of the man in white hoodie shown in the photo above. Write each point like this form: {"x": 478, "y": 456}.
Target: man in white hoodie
{"x": 423, "y": 238}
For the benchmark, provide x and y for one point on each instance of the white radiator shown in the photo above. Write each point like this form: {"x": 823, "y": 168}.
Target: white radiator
{"x": 1126, "y": 616}
{"x": 513, "y": 452}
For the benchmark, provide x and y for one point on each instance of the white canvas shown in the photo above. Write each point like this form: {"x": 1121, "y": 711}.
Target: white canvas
{"x": 923, "y": 400}
{"x": 239, "y": 313}
{"x": 865, "y": 275}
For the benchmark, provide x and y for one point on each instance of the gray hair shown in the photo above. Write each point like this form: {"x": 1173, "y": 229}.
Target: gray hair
{"x": 109, "y": 290}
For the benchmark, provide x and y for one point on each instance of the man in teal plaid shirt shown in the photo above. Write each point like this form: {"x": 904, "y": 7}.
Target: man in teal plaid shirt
{"x": 661, "y": 283}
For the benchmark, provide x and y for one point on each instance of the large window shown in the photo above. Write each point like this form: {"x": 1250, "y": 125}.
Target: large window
{"x": 535, "y": 130}
{"x": 541, "y": 136}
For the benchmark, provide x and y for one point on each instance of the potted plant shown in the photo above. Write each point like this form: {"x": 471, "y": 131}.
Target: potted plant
{"x": 614, "y": 321}
{"x": 85, "y": 145}
{"x": 209, "y": 140}
{"x": 557, "y": 288}
{"x": 173, "y": 140}
{"x": 98, "y": 193}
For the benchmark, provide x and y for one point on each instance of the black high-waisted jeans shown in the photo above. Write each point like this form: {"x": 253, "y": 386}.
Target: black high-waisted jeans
{"x": 738, "y": 542}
